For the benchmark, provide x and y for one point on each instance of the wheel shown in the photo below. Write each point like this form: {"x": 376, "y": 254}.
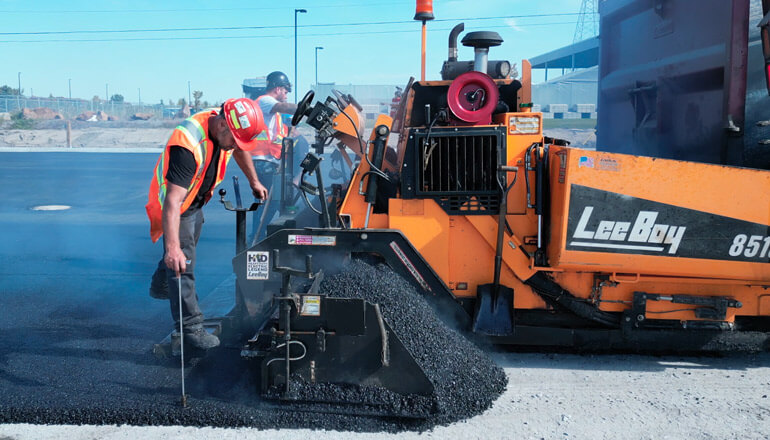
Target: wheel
{"x": 302, "y": 107}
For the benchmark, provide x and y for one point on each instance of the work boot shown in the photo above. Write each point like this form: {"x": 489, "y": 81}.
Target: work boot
{"x": 198, "y": 337}
{"x": 159, "y": 285}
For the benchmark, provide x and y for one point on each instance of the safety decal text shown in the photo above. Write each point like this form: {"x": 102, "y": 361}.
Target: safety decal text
{"x": 257, "y": 265}
{"x": 313, "y": 240}
{"x": 311, "y": 305}
{"x": 409, "y": 266}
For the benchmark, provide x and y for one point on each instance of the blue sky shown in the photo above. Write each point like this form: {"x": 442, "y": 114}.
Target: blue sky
{"x": 227, "y": 41}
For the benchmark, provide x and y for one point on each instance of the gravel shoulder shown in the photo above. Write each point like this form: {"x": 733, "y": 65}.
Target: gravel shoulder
{"x": 154, "y": 134}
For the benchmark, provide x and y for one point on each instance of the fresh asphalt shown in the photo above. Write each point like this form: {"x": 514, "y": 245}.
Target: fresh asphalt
{"x": 76, "y": 322}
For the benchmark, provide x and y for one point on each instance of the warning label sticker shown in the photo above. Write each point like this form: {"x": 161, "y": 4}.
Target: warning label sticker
{"x": 257, "y": 265}
{"x": 311, "y": 305}
{"x": 313, "y": 240}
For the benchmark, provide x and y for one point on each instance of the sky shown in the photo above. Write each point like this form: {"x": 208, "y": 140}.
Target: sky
{"x": 152, "y": 50}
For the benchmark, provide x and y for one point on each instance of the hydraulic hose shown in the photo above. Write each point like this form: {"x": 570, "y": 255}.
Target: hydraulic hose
{"x": 553, "y": 293}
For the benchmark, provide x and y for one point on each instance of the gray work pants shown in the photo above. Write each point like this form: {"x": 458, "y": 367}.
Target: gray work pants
{"x": 190, "y": 224}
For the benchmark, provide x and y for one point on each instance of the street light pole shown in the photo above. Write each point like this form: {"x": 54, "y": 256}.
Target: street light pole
{"x": 70, "y": 86}
{"x": 316, "y": 65}
{"x": 18, "y": 96}
{"x": 296, "y": 11}
{"x": 107, "y": 92}
{"x": 189, "y": 96}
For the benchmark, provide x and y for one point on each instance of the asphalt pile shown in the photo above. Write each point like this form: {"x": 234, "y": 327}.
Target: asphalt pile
{"x": 466, "y": 381}
{"x": 89, "y": 362}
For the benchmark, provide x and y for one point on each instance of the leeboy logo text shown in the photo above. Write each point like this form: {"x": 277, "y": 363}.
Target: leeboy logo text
{"x": 641, "y": 234}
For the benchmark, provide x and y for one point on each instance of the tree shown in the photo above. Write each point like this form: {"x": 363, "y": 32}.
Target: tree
{"x": 96, "y": 98}
{"x": 181, "y": 102}
{"x": 206, "y": 104}
{"x": 197, "y": 95}
{"x": 7, "y": 90}
{"x": 161, "y": 101}
{"x": 116, "y": 98}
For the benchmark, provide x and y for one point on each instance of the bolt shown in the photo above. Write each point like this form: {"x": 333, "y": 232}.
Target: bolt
{"x": 640, "y": 318}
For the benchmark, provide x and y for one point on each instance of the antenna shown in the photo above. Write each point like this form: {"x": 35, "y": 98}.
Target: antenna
{"x": 588, "y": 21}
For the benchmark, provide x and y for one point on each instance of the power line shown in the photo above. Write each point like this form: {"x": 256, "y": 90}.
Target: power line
{"x": 230, "y": 28}
{"x": 222, "y": 37}
{"x": 123, "y": 11}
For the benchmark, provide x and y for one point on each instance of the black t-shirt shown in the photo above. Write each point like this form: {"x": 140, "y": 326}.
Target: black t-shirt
{"x": 181, "y": 170}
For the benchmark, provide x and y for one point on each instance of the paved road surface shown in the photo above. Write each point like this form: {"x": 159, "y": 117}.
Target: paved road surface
{"x": 76, "y": 324}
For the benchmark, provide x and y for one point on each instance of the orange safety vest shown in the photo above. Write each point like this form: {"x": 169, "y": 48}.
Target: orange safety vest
{"x": 192, "y": 134}
{"x": 271, "y": 140}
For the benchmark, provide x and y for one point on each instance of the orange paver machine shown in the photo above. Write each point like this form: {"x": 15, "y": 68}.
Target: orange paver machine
{"x": 523, "y": 239}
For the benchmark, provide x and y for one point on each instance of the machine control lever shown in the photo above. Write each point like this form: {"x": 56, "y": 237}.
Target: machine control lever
{"x": 240, "y": 214}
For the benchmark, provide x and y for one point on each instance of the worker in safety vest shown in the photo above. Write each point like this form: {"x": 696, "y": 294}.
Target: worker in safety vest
{"x": 191, "y": 166}
{"x": 267, "y": 154}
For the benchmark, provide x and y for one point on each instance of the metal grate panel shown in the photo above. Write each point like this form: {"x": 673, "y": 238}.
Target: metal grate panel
{"x": 458, "y": 169}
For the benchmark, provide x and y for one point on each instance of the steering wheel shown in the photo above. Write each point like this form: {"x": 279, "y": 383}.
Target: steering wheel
{"x": 302, "y": 107}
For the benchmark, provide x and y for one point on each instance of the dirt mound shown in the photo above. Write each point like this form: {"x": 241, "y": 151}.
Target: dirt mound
{"x": 40, "y": 113}
{"x": 141, "y": 116}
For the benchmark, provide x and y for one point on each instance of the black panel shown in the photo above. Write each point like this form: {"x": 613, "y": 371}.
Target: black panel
{"x": 602, "y": 221}
{"x": 456, "y": 167}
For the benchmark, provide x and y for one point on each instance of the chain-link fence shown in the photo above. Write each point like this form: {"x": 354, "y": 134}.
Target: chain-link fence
{"x": 71, "y": 108}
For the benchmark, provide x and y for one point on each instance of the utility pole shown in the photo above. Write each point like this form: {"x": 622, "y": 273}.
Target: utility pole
{"x": 18, "y": 96}
{"x": 189, "y": 96}
{"x": 317, "y": 48}
{"x": 107, "y": 92}
{"x": 296, "y": 11}
{"x": 70, "y": 86}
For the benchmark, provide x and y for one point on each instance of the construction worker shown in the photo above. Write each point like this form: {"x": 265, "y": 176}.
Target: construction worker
{"x": 267, "y": 154}
{"x": 191, "y": 166}
{"x": 396, "y": 101}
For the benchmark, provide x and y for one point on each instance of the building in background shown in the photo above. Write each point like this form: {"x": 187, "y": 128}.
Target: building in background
{"x": 573, "y": 94}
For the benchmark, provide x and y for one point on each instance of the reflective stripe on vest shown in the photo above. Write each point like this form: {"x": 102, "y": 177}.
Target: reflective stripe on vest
{"x": 191, "y": 134}
{"x": 271, "y": 140}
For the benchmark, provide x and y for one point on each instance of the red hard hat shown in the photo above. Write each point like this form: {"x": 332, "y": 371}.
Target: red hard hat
{"x": 245, "y": 122}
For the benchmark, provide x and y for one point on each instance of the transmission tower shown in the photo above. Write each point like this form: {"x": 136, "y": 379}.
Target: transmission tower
{"x": 588, "y": 21}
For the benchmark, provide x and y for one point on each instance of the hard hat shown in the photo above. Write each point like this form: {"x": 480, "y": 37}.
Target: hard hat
{"x": 245, "y": 122}
{"x": 278, "y": 79}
